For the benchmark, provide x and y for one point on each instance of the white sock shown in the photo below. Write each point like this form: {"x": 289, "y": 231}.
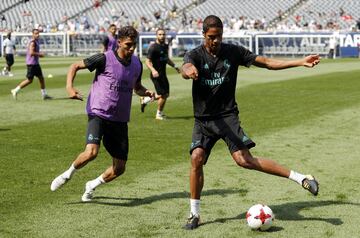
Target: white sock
{"x": 195, "y": 207}
{"x": 96, "y": 182}
{"x": 17, "y": 89}
{"x": 294, "y": 176}
{"x": 159, "y": 113}
{"x": 147, "y": 100}
{"x": 68, "y": 173}
{"x": 43, "y": 92}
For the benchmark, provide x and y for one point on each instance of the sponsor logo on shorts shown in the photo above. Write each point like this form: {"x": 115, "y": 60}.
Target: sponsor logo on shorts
{"x": 245, "y": 138}
{"x": 195, "y": 143}
{"x": 92, "y": 138}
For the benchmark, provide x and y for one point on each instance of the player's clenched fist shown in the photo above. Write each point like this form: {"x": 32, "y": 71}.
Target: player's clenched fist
{"x": 189, "y": 71}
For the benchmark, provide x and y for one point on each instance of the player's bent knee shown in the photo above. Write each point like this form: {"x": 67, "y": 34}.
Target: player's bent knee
{"x": 245, "y": 162}
{"x": 197, "y": 158}
{"x": 119, "y": 170}
{"x": 91, "y": 153}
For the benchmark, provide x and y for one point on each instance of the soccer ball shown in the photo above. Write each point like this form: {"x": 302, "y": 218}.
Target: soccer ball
{"x": 260, "y": 217}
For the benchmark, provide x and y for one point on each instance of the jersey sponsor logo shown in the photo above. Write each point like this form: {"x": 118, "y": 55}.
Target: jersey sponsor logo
{"x": 122, "y": 87}
{"x": 216, "y": 79}
{"x": 212, "y": 82}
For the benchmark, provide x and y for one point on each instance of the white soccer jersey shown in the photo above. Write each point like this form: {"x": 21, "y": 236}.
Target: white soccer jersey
{"x": 9, "y": 46}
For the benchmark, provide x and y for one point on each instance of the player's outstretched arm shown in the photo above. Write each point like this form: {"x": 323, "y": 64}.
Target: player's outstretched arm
{"x": 73, "y": 92}
{"x": 189, "y": 71}
{"x": 311, "y": 60}
{"x": 277, "y": 64}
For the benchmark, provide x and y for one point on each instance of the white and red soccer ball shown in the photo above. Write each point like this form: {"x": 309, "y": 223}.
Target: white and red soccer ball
{"x": 260, "y": 217}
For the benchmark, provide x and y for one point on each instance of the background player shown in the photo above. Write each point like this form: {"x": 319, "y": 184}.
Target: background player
{"x": 33, "y": 67}
{"x": 110, "y": 41}
{"x": 9, "y": 53}
{"x": 156, "y": 61}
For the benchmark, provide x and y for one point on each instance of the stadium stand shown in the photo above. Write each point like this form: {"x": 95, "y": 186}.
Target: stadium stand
{"x": 8, "y": 4}
{"x": 315, "y": 15}
{"x": 255, "y": 14}
{"x": 178, "y": 15}
{"x": 147, "y": 13}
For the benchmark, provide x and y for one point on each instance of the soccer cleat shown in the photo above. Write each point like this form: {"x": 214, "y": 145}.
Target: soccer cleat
{"x": 58, "y": 182}
{"x": 310, "y": 184}
{"x": 46, "y": 97}
{"x": 192, "y": 223}
{"x": 142, "y": 104}
{"x": 11, "y": 75}
{"x": 88, "y": 194}
{"x": 14, "y": 93}
{"x": 160, "y": 117}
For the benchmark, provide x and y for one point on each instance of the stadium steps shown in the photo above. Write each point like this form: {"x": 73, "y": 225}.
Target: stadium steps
{"x": 288, "y": 13}
{"x": 85, "y": 10}
{"x": 11, "y": 6}
{"x": 180, "y": 12}
{"x": 176, "y": 21}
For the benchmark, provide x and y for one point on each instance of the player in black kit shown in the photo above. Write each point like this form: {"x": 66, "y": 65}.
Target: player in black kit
{"x": 156, "y": 61}
{"x": 213, "y": 67}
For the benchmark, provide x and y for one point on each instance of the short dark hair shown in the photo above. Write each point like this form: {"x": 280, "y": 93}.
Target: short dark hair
{"x": 35, "y": 29}
{"x": 111, "y": 25}
{"x": 211, "y": 21}
{"x": 128, "y": 31}
{"x": 160, "y": 29}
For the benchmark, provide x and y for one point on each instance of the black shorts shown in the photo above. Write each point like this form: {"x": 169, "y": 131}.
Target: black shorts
{"x": 161, "y": 84}
{"x": 113, "y": 134}
{"x": 34, "y": 70}
{"x": 9, "y": 59}
{"x": 207, "y": 132}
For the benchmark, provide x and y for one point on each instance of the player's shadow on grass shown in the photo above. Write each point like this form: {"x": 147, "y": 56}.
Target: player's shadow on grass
{"x": 4, "y": 129}
{"x": 133, "y": 202}
{"x": 180, "y": 117}
{"x": 66, "y": 98}
{"x": 291, "y": 212}
{"x": 60, "y": 98}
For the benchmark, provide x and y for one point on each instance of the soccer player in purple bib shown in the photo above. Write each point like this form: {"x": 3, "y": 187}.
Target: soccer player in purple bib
{"x": 118, "y": 73}
{"x": 213, "y": 67}
{"x": 33, "y": 67}
{"x": 109, "y": 42}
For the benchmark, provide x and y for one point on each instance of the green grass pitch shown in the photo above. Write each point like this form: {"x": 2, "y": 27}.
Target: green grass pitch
{"x": 306, "y": 119}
